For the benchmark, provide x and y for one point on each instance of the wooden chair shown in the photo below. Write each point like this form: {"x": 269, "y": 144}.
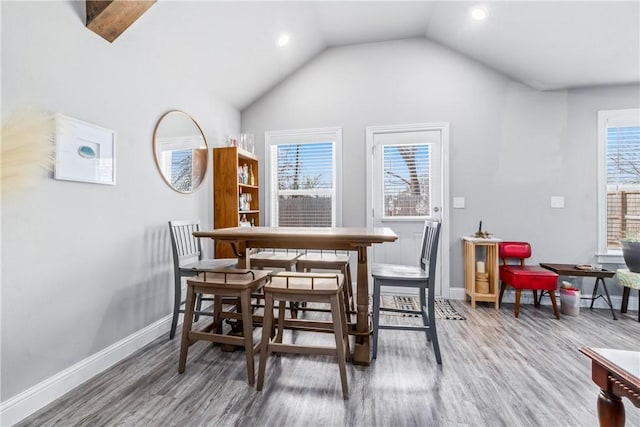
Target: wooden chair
{"x": 223, "y": 283}
{"x": 523, "y": 276}
{"x": 332, "y": 260}
{"x": 188, "y": 262}
{"x": 305, "y": 287}
{"x": 421, "y": 277}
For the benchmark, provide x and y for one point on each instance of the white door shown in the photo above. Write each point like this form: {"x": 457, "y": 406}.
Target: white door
{"x": 406, "y": 185}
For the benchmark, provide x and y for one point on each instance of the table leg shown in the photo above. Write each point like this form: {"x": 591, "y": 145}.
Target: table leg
{"x": 595, "y": 291}
{"x": 240, "y": 250}
{"x": 608, "y": 299}
{"x": 361, "y": 353}
{"x": 610, "y": 410}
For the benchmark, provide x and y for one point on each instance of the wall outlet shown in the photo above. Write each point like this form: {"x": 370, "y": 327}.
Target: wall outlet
{"x": 458, "y": 203}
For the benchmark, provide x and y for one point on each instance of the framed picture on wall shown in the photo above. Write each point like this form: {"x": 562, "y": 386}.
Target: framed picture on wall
{"x": 84, "y": 152}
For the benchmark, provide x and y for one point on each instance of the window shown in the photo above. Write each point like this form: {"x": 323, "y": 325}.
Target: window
{"x": 406, "y": 180}
{"x": 303, "y": 176}
{"x": 618, "y": 177}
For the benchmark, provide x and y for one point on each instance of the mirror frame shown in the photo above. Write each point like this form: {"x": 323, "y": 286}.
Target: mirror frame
{"x": 155, "y": 151}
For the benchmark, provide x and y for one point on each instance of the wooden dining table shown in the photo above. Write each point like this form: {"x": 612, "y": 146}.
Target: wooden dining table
{"x": 243, "y": 239}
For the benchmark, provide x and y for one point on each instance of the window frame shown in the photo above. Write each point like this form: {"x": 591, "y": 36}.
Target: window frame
{"x": 608, "y": 118}
{"x": 304, "y": 136}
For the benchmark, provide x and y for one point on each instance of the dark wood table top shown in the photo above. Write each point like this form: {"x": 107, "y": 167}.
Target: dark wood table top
{"x": 572, "y": 270}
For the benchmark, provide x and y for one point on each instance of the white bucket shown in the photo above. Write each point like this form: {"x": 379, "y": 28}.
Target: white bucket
{"x": 570, "y": 301}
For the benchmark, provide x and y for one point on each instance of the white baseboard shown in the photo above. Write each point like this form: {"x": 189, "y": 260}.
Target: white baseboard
{"x": 527, "y": 298}
{"x": 29, "y": 401}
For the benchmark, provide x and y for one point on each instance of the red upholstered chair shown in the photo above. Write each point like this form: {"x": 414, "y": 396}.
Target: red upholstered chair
{"x": 525, "y": 277}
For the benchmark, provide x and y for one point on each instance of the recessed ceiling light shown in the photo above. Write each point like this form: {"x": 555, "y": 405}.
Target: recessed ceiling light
{"x": 479, "y": 13}
{"x": 283, "y": 39}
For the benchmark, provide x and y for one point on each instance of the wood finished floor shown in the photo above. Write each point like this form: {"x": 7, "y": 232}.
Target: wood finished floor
{"x": 497, "y": 371}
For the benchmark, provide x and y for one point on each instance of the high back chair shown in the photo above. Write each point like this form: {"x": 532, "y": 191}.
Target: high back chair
{"x": 188, "y": 262}
{"x": 422, "y": 277}
{"x": 521, "y": 276}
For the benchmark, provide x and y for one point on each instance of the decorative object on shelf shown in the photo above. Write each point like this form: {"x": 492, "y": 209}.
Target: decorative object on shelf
{"x": 482, "y": 234}
{"x": 631, "y": 251}
{"x": 84, "y": 152}
{"x": 482, "y": 282}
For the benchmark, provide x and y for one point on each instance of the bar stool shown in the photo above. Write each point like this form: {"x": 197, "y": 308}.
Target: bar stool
{"x": 272, "y": 259}
{"x": 305, "y": 287}
{"x": 223, "y": 283}
{"x": 330, "y": 261}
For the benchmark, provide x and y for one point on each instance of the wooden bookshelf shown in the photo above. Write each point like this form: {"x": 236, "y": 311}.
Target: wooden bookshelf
{"x": 229, "y": 189}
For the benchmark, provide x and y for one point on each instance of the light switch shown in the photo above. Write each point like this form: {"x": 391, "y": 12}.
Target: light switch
{"x": 458, "y": 203}
{"x": 557, "y": 202}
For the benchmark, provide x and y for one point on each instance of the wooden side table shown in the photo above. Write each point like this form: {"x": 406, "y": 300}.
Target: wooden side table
{"x": 628, "y": 280}
{"x": 490, "y": 247}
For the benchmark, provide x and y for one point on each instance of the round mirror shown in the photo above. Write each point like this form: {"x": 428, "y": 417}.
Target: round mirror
{"x": 180, "y": 150}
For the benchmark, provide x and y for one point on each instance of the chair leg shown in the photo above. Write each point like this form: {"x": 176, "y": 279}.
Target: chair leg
{"x": 217, "y": 314}
{"x": 267, "y": 326}
{"x": 502, "y": 287}
{"x": 186, "y": 327}
{"x": 345, "y": 330}
{"x": 349, "y": 287}
{"x": 198, "y": 307}
{"x": 536, "y": 303}
{"x": 423, "y": 312}
{"x": 516, "y": 310}
{"x": 625, "y": 299}
{"x": 432, "y": 328}
{"x": 281, "y": 310}
{"x": 376, "y": 318}
{"x": 247, "y": 326}
{"x": 336, "y": 315}
{"x": 177, "y": 298}
{"x": 554, "y": 304}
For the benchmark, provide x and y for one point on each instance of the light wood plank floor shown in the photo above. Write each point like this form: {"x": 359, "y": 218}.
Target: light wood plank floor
{"x": 497, "y": 371}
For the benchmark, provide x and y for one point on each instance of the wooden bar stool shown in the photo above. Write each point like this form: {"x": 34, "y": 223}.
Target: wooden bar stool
{"x": 272, "y": 259}
{"x": 330, "y": 261}
{"x": 305, "y": 287}
{"x": 223, "y": 283}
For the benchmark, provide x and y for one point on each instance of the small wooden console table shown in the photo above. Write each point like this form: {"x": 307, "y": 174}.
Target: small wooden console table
{"x": 617, "y": 373}
{"x": 491, "y": 265}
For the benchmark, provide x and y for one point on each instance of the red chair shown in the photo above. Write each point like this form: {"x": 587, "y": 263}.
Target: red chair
{"x": 525, "y": 277}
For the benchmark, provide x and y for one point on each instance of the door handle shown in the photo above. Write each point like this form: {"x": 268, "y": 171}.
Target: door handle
{"x": 436, "y": 209}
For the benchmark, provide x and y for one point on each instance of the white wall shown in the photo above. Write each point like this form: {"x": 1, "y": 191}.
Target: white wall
{"x": 86, "y": 265}
{"x": 512, "y": 147}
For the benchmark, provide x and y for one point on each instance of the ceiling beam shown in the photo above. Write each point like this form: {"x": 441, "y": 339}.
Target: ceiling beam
{"x": 110, "y": 18}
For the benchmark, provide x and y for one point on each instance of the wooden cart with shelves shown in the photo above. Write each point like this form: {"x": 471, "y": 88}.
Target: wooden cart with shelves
{"x": 490, "y": 249}
{"x": 236, "y": 197}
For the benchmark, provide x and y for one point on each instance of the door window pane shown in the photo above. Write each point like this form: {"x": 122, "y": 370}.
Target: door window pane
{"x": 406, "y": 180}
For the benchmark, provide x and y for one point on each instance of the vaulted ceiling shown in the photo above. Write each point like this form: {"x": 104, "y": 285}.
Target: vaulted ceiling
{"x": 231, "y": 46}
